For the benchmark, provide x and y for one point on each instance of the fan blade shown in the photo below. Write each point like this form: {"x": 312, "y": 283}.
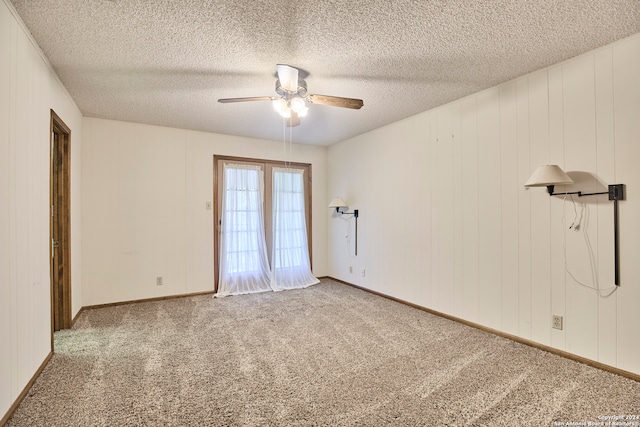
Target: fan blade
{"x": 294, "y": 120}
{"x": 252, "y": 98}
{"x": 288, "y": 77}
{"x": 336, "y": 101}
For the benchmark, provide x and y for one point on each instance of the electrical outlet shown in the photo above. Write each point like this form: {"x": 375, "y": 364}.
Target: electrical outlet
{"x": 363, "y": 272}
{"x": 208, "y": 206}
{"x": 159, "y": 281}
{"x": 556, "y": 322}
{"x": 351, "y": 269}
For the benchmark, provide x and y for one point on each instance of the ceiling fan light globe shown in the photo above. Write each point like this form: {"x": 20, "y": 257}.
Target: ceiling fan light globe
{"x": 298, "y": 104}
{"x": 303, "y": 112}
{"x": 280, "y": 105}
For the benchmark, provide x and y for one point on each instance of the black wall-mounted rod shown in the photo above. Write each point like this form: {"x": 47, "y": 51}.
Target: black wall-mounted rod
{"x": 579, "y": 193}
{"x": 616, "y": 243}
{"x": 355, "y": 215}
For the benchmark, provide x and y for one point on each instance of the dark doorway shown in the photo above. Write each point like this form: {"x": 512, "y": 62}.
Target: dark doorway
{"x": 60, "y": 225}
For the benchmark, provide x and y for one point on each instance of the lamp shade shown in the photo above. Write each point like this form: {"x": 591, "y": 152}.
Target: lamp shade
{"x": 548, "y": 175}
{"x": 337, "y": 202}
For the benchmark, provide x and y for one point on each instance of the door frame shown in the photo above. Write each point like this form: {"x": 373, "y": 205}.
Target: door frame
{"x": 217, "y": 197}
{"x": 60, "y": 218}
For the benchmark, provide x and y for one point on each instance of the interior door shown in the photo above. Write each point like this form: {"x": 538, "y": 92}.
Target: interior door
{"x": 60, "y": 225}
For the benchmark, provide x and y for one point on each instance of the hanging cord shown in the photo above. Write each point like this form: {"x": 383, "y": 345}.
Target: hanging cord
{"x": 348, "y": 237}
{"x": 576, "y": 226}
{"x": 290, "y": 146}
{"x": 287, "y": 154}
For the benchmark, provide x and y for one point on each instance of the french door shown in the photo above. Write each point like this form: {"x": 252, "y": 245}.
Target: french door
{"x": 285, "y": 175}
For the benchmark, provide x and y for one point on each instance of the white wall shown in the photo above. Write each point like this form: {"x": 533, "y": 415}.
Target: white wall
{"x": 446, "y": 223}
{"x": 28, "y": 90}
{"x": 145, "y": 190}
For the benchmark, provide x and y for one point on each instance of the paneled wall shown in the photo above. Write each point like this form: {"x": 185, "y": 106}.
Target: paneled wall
{"x": 145, "y": 190}
{"x": 446, "y": 223}
{"x": 28, "y": 91}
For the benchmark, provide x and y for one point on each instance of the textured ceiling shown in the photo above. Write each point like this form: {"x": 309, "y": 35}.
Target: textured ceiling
{"x": 166, "y": 62}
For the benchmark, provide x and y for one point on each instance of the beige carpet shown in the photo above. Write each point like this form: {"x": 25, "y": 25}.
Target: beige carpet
{"x": 326, "y": 355}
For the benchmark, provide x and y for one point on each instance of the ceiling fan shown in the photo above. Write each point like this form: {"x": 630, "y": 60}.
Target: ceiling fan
{"x": 293, "y": 97}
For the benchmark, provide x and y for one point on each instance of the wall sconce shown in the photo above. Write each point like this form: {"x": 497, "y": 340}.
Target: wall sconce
{"x": 551, "y": 175}
{"x": 342, "y": 209}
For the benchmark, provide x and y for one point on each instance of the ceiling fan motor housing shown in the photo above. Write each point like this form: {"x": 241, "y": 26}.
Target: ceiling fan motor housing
{"x": 287, "y": 94}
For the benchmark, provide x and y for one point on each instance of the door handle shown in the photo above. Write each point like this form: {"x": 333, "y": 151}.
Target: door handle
{"x": 54, "y": 244}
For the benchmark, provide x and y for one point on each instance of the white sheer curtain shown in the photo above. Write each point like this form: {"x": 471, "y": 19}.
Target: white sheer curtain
{"x": 290, "y": 264}
{"x": 244, "y": 266}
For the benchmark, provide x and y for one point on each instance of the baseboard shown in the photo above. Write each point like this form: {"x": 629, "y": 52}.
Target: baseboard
{"x": 73, "y": 321}
{"x": 26, "y": 389}
{"x": 113, "y": 304}
{"x": 516, "y": 338}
